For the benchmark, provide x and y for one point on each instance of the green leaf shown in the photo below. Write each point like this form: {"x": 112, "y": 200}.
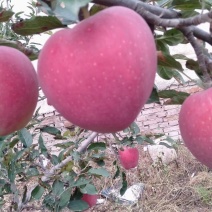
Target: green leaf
{"x": 54, "y": 160}
{"x": 171, "y": 93}
{"x": 89, "y": 189}
{"x": 189, "y": 4}
{"x": 117, "y": 172}
{"x": 154, "y": 98}
{"x": 57, "y": 187}
{"x": 65, "y": 10}
{"x": 170, "y": 62}
{"x": 162, "y": 46}
{"x": 14, "y": 142}
{"x": 25, "y": 137}
{"x": 65, "y": 145}
{"x": 37, "y": 192}
{"x": 139, "y": 139}
{"x": 24, "y": 194}
{"x": 180, "y": 57}
{"x": 97, "y": 146}
{"x": 64, "y": 198}
{"x": 81, "y": 181}
{"x": 171, "y": 37}
{"x": 164, "y": 72}
{"x": 36, "y": 25}
{"x": 176, "y": 97}
{"x": 99, "y": 171}
{"x": 51, "y": 130}
{"x": 78, "y": 205}
{"x": 124, "y": 184}
{"x": 134, "y": 128}
{"x": 42, "y": 146}
{"x": 32, "y": 172}
{"x": 5, "y": 15}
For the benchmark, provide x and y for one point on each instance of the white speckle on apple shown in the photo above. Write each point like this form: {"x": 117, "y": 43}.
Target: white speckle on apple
{"x": 93, "y": 78}
{"x": 94, "y": 64}
{"x": 101, "y": 54}
{"x": 130, "y": 53}
{"x": 71, "y": 54}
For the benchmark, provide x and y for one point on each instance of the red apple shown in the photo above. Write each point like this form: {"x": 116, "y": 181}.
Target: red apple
{"x": 18, "y": 90}
{"x": 90, "y": 199}
{"x": 195, "y": 122}
{"x": 128, "y": 157}
{"x": 99, "y": 74}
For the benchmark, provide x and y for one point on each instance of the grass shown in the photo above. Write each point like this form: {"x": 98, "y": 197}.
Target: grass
{"x": 183, "y": 185}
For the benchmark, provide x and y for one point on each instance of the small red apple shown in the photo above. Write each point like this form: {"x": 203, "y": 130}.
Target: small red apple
{"x": 99, "y": 74}
{"x": 18, "y": 90}
{"x": 90, "y": 199}
{"x": 128, "y": 157}
{"x": 195, "y": 122}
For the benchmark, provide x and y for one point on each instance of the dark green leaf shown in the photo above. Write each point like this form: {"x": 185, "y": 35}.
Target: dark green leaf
{"x": 170, "y": 62}
{"x": 117, "y": 172}
{"x": 32, "y": 172}
{"x": 42, "y": 146}
{"x": 78, "y": 205}
{"x": 139, "y": 139}
{"x": 81, "y": 181}
{"x": 188, "y": 13}
{"x": 176, "y": 97}
{"x": 153, "y": 97}
{"x": 124, "y": 184}
{"x": 97, "y": 146}
{"x": 162, "y": 46}
{"x": 37, "y": 192}
{"x": 51, "y": 130}
{"x": 134, "y": 128}
{"x": 89, "y": 189}
{"x": 100, "y": 171}
{"x": 36, "y": 25}
{"x": 24, "y": 194}
{"x": 180, "y": 57}
{"x": 171, "y": 93}
{"x": 14, "y": 142}
{"x": 54, "y": 160}
{"x": 57, "y": 187}
{"x": 189, "y": 4}
{"x": 64, "y": 198}
{"x": 65, "y": 145}
{"x": 171, "y": 37}
{"x": 5, "y": 15}
{"x": 25, "y": 137}
{"x": 164, "y": 72}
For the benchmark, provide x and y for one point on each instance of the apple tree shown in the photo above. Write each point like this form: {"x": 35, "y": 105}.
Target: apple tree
{"x": 97, "y": 70}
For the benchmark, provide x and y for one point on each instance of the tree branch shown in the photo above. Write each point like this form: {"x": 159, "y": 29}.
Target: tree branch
{"x": 187, "y": 31}
{"x": 80, "y": 149}
{"x": 137, "y": 5}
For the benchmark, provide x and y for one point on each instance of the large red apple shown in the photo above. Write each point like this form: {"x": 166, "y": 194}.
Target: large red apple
{"x": 90, "y": 199}
{"x": 99, "y": 74}
{"x": 18, "y": 90}
{"x": 195, "y": 122}
{"x": 128, "y": 157}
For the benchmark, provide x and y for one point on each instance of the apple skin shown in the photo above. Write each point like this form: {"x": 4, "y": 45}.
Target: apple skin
{"x": 90, "y": 199}
{"x": 128, "y": 157}
{"x": 18, "y": 90}
{"x": 99, "y": 74}
{"x": 195, "y": 122}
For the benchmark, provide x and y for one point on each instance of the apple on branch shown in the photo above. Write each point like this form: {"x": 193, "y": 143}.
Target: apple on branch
{"x": 195, "y": 122}
{"x": 99, "y": 74}
{"x": 18, "y": 90}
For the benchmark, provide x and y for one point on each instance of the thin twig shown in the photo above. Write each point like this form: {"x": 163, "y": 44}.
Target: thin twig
{"x": 80, "y": 149}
